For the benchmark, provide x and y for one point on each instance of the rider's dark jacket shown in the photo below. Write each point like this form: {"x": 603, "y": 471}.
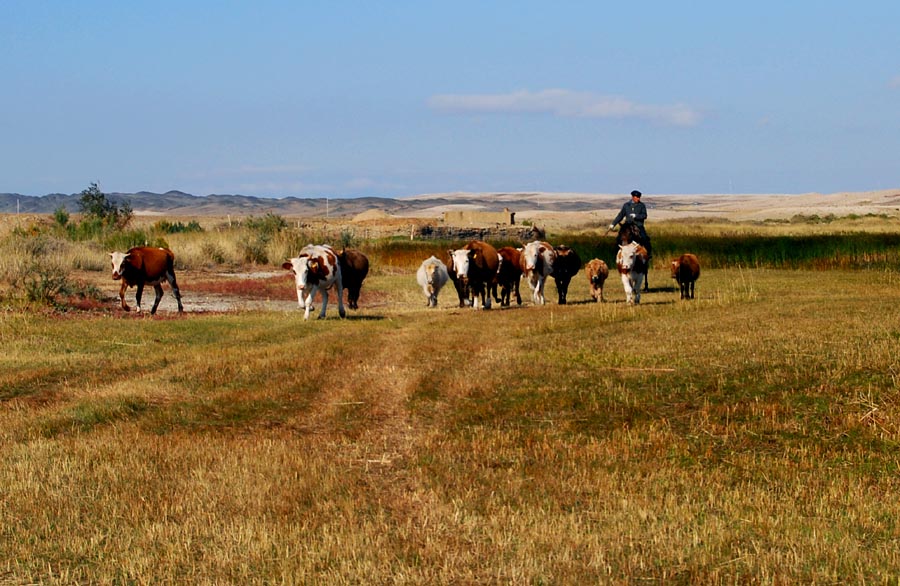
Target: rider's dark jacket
{"x": 639, "y": 211}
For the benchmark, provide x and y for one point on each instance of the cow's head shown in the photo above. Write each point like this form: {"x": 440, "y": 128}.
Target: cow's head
{"x": 118, "y": 264}
{"x": 302, "y": 267}
{"x": 629, "y": 255}
{"x": 676, "y": 263}
{"x": 534, "y": 255}
{"x": 461, "y": 259}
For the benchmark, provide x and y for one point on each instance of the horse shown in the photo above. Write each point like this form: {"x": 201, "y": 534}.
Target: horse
{"x": 631, "y": 261}
{"x": 631, "y": 232}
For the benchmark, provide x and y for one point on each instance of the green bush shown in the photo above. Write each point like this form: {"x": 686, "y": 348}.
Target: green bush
{"x": 168, "y": 227}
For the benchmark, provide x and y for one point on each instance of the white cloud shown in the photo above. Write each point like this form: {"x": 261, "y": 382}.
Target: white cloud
{"x": 566, "y": 103}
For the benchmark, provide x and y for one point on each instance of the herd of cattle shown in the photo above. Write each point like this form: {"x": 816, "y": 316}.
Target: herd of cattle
{"x": 478, "y": 271}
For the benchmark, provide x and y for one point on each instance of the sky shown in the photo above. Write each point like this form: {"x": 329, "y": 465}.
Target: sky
{"x": 400, "y": 98}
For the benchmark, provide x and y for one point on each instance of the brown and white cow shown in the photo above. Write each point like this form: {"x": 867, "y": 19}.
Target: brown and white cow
{"x": 476, "y": 266}
{"x": 316, "y": 269}
{"x": 566, "y": 266}
{"x": 145, "y": 265}
{"x": 354, "y": 268}
{"x": 685, "y": 271}
{"x": 432, "y": 276}
{"x": 597, "y": 272}
{"x": 537, "y": 264}
{"x": 462, "y": 290}
{"x": 631, "y": 261}
{"x": 509, "y": 275}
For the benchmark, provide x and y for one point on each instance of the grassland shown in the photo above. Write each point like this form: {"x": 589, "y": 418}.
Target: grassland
{"x": 748, "y": 436}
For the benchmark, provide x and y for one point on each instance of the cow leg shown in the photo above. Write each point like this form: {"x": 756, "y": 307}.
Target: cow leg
{"x": 340, "y": 296}
{"x": 324, "y": 293}
{"x": 159, "y": 293}
{"x": 518, "y": 296}
{"x": 170, "y": 277}
{"x": 307, "y": 303}
{"x": 629, "y": 289}
{"x": 692, "y": 289}
{"x": 137, "y": 296}
{"x": 562, "y": 288}
{"x": 122, "y": 290}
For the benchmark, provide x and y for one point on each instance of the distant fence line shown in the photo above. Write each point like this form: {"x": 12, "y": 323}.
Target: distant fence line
{"x": 424, "y": 232}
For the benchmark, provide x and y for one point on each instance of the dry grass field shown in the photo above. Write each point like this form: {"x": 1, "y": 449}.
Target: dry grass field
{"x": 747, "y": 436}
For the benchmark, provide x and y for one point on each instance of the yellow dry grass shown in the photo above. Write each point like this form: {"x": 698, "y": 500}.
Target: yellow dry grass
{"x": 747, "y": 436}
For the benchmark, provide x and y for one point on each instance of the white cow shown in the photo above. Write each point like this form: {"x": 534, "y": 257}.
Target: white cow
{"x": 432, "y": 276}
{"x": 537, "y": 264}
{"x": 631, "y": 261}
{"x": 316, "y": 268}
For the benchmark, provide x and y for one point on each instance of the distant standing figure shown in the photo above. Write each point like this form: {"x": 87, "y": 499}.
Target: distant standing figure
{"x": 432, "y": 276}
{"x": 145, "y": 265}
{"x": 597, "y": 273}
{"x": 685, "y": 271}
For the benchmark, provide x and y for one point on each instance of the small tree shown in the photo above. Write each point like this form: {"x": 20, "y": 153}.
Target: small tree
{"x": 96, "y": 206}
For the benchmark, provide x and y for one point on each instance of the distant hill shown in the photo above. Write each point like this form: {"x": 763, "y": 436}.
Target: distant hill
{"x": 538, "y": 207}
{"x": 178, "y": 203}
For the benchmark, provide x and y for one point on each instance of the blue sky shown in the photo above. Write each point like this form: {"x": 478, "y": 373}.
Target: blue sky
{"x": 397, "y": 98}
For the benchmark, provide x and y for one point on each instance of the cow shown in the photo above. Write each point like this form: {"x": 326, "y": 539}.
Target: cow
{"x": 145, "y": 265}
{"x": 597, "y": 272}
{"x": 476, "y": 266}
{"x": 566, "y": 266}
{"x": 316, "y": 268}
{"x": 631, "y": 261}
{"x": 686, "y": 270}
{"x": 509, "y": 275}
{"x": 537, "y": 264}
{"x": 432, "y": 276}
{"x": 462, "y": 291}
{"x": 354, "y": 268}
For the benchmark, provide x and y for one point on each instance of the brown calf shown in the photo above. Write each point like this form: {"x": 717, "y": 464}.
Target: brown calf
{"x": 597, "y": 273}
{"x": 686, "y": 270}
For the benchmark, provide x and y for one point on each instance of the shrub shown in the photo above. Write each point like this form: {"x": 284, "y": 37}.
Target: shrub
{"x": 269, "y": 224}
{"x": 167, "y": 227}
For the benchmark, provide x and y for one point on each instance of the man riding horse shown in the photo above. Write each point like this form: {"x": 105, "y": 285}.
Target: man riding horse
{"x": 632, "y": 216}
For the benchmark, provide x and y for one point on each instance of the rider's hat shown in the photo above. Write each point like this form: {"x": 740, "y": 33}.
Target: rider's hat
{"x": 636, "y": 194}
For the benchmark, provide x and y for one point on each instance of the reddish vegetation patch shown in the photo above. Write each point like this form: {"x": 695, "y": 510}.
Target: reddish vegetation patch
{"x": 281, "y": 288}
